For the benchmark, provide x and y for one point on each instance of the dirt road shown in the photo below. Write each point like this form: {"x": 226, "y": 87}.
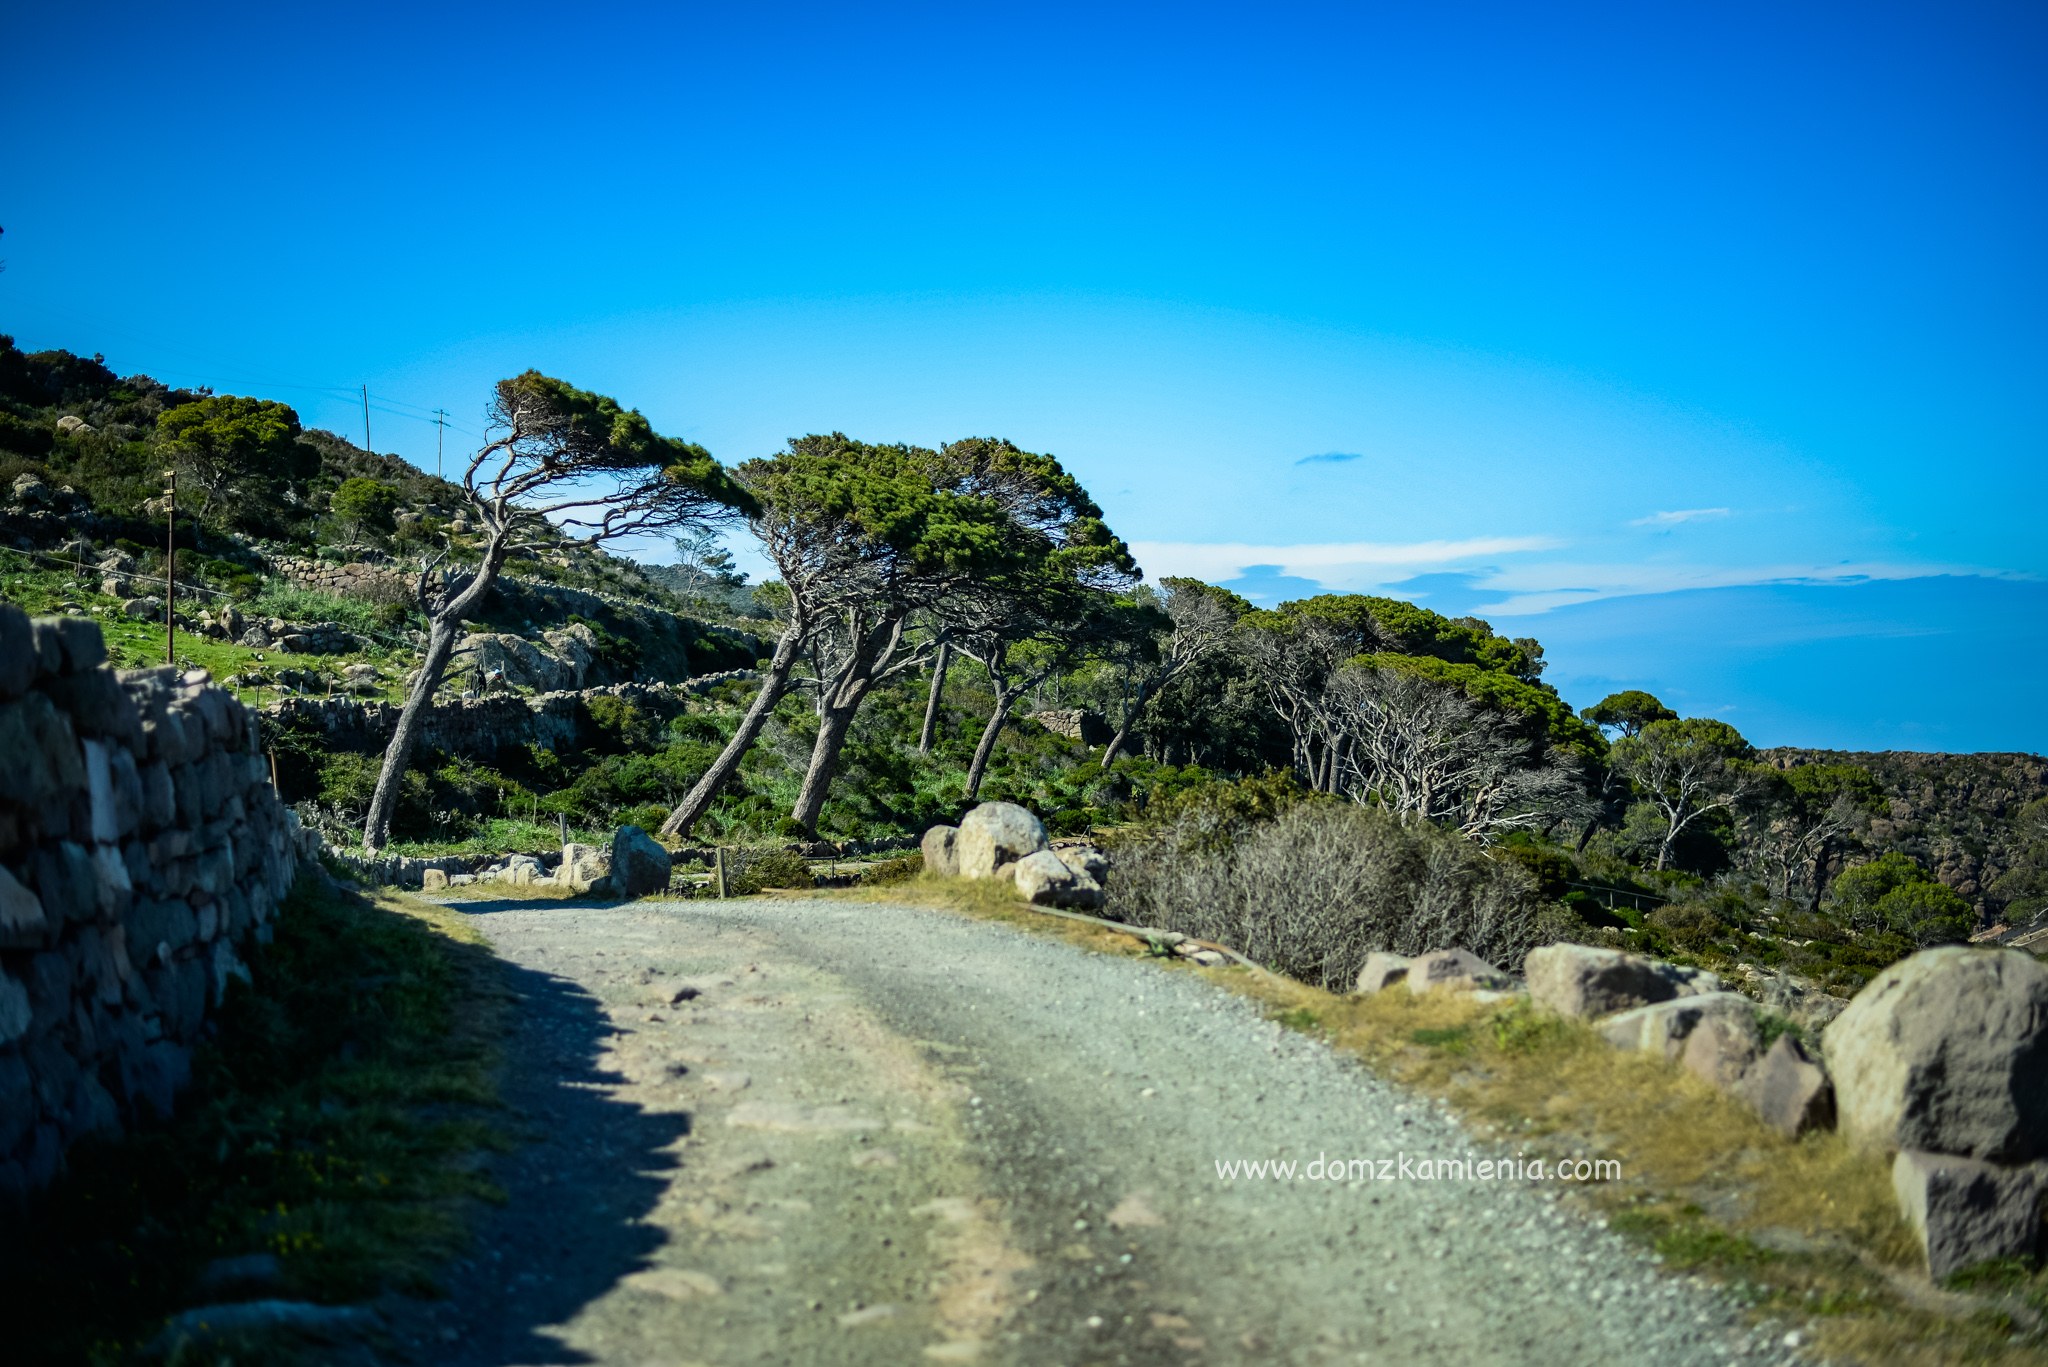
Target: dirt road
{"x": 824, "y": 1132}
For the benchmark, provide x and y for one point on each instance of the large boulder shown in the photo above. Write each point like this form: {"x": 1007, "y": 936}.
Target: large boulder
{"x": 1045, "y": 880}
{"x": 1721, "y": 1048}
{"x": 1382, "y": 970}
{"x": 939, "y": 854}
{"x": 581, "y": 866}
{"x": 639, "y": 864}
{"x": 1454, "y": 970}
{"x": 995, "y": 834}
{"x": 1585, "y": 981}
{"x": 1966, "y": 1211}
{"x": 1789, "y": 1089}
{"x": 1662, "y": 1028}
{"x": 1947, "y": 1051}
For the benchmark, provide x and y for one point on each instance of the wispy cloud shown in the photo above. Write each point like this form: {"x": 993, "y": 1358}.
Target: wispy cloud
{"x": 1331, "y": 458}
{"x": 1672, "y": 519}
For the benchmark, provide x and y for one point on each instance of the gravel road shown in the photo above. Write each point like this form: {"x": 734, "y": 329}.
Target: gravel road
{"x": 812, "y": 1131}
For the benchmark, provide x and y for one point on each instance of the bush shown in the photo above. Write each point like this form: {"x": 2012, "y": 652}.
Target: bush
{"x": 1313, "y": 891}
{"x": 750, "y": 868}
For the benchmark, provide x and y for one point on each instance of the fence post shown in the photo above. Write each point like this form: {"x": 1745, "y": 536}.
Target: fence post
{"x": 718, "y": 871}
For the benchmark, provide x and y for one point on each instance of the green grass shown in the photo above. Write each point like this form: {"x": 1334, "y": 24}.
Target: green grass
{"x": 335, "y": 1122}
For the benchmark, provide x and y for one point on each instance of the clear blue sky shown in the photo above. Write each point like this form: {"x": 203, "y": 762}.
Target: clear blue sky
{"x": 1705, "y": 343}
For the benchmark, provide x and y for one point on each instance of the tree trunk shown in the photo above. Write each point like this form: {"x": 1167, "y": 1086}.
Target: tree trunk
{"x": 440, "y": 645}
{"x": 931, "y": 702}
{"x": 987, "y": 745}
{"x": 773, "y": 684}
{"x": 1116, "y": 745}
{"x": 832, "y": 729}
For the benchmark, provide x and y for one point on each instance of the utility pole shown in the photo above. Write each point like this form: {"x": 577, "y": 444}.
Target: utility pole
{"x": 366, "y": 421}
{"x": 440, "y": 431}
{"x": 171, "y": 574}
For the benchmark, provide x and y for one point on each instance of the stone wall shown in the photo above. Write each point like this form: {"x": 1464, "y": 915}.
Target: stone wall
{"x": 141, "y": 850}
{"x": 480, "y": 727}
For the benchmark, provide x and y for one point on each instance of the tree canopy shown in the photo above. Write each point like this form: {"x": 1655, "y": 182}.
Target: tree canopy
{"x": 237, "y": 451}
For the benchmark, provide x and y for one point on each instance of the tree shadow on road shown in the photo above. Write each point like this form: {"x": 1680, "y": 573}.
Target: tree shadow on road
{"x": 585, "y": 1171}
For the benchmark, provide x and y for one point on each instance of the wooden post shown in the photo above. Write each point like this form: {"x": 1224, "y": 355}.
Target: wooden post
{"x": 718, "y": 871}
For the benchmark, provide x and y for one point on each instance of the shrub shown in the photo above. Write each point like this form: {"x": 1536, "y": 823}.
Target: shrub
{"x": 750, "y": 868}
{"x": 1313, "y": 891}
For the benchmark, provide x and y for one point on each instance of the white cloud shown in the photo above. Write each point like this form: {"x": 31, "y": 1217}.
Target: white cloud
{"x": 1672, "y": 519}
{"x": 1335, "y": 564}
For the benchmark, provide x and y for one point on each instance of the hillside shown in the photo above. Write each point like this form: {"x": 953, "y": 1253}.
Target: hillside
{"x": 1954, "y": 813}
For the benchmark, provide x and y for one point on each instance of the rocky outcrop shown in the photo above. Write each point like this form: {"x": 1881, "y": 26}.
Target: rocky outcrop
{"x": 560, "y": 662}
{"x": 995, "y": 834}
{"x": 142, "y": 850}
{"x": 1947, "y": 1051}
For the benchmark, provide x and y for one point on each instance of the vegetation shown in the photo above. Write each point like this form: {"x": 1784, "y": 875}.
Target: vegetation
{"x": 333, "y": 1123}
{"x": 896, "y": 565}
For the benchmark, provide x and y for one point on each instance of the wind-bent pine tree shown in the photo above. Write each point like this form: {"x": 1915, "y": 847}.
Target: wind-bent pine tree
{"x": 1056, "y": 603}
{"x": 558, "y": 463}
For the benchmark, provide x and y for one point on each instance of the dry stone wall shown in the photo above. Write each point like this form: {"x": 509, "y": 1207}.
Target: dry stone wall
{"x": 142, "y": 849}
{"x": 481, "y": 727}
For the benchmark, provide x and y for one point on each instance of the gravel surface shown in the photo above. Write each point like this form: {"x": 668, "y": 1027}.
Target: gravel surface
{"x": 811, "y": 1131}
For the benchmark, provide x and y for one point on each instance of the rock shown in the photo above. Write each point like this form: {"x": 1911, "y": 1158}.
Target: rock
{"x": 1453, "y": 970}
{"x": 939, "y": 854}
{"x": 71, "y": 425}
{"x": 639, "y": 865}
{"x": 1585, "y": 981}
{"x": 1085, "y": 859}
{"x": 22, "y": 923}
{"x": 581, "y": 865}
{"x": 522, "y": 870}
{"x": 248, "y": 1272}
{"x": 1045, "y": 880}
{"x": 30, "y": 492}
{"x": 994, "y": 834}
{"x": 15, "y": 1016}
{"x": 1663, "y": 1027}
{"x": 1966, "y": 1211}
{"x": 269, "y": 1321}
{"x": 1721, "y": 1048}
{"x": 142, "y": 609}
{"x": 1789, "y": 1089}
{"x": 1382, "y": 970}
{"x": 433, "y": 880}
{"x": 1947, "y": 1051}
{"x": 17, "y": 650}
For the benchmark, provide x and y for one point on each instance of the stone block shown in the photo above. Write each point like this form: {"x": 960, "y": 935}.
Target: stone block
{"x": 1966, "y": 1211}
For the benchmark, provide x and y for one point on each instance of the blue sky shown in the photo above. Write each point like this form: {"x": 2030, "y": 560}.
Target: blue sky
{"x": 1704, "y": 343}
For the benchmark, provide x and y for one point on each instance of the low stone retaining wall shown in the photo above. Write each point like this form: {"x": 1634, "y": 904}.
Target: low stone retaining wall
{"x": 480, "y": 727}
{"x": 141, "y": 849}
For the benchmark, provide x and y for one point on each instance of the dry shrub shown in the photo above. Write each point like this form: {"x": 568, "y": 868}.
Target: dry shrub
{"x": 1314, "y": 891}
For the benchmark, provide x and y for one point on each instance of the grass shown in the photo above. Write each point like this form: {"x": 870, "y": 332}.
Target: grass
{"x": 139, "y": 645}
{"x": 1805, "y": 1230}
{"x": 336, "y": 1122}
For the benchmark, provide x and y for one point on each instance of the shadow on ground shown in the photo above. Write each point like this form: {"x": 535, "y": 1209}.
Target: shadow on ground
{"x": 585, "y": 1170}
